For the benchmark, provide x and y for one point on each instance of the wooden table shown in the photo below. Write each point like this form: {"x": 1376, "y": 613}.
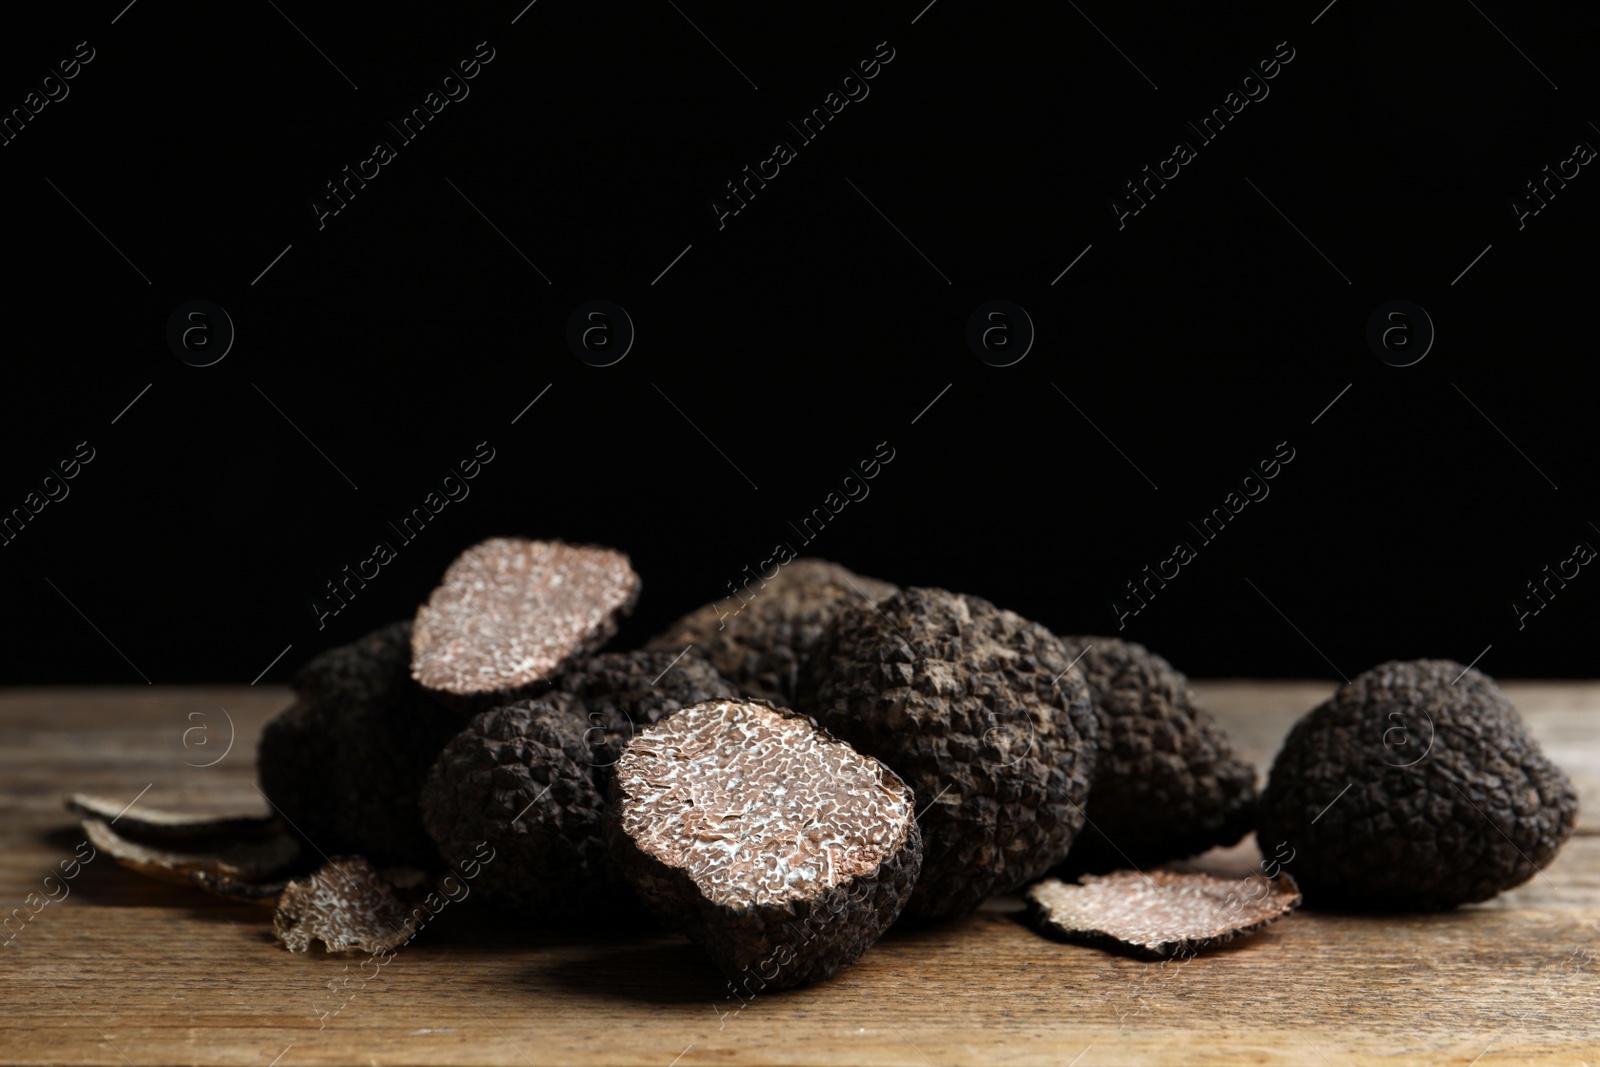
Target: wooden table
{"x": 126, "y": 970}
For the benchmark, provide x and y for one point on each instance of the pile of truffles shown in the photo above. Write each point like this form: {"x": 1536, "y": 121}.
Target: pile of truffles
{"x": 784, "y": 779}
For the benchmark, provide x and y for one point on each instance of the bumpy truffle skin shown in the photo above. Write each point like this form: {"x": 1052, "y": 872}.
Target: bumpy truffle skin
{"x": 773, "y": 944}
{"x": 1449, "y": 799}
{"x": 1166, "y": 783}
{"x": 759, "y": 639}
{"x": 520, "y": 778}
{"x": 345, "y": 763}
{"x": 982, "y": 712}
{"x": 620, "y": 693}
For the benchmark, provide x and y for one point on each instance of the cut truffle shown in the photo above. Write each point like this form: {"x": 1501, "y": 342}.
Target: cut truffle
{"x": 344, "y": 764}
{"x": 1161, "y": 914}
{"x": 779, "y": 848}
{"x": 759, "y": 639}
{"x": 260, "y": 855}
{"x": 1416, "y": 786}
{"x": 509, "y": 614}
{"x": 620, "y": 693}
{"x": 520, "y": 779}
{"x": 982, "y": 712}
{"x": 1166, "y": 783}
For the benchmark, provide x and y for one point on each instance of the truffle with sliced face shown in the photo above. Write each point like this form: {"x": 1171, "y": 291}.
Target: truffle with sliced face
{"x": 510, "y": 614}
{"x": 779, "y": 848}
{"x": 1167, "y": 783}
{"x": 520, "y": 781}
{"x": 1416, "y": 786}
{"x": 344, "y": 764}
{"x": 758, "y": 638}
{"x": 983, "y": 714}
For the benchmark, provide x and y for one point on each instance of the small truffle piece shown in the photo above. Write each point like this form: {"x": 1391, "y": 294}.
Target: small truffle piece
{"x": 520, "y": 779}
{"x": 345, "y": 763}
{"x": 779, "y": 848}
{"x": 153, "y": 825}
{"x": 620, "y": 693}
{"x": 510, "y": 613}
{"x": 983, "y": 714}
{"x": 347, "y": 906}
{"x": 1166, "y": 784}
{"x": 1161, "y": 914}
{"x": 1416, "y": 786}
{"x": 758, "y": 640}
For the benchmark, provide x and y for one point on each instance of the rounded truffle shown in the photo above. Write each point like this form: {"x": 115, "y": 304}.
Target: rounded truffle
{"x": 759, "y": 639}
{"x": 983, "y": 714}
{"x": 1416, "y": 786}
{"x": 519, "y": 779}
{"x": 509, "y": 614}
{"x": 345, "y": 762}
{"x": 617, "y": 694}
{"x": 1166, "y": 783}
{"x": 782, "y": 850}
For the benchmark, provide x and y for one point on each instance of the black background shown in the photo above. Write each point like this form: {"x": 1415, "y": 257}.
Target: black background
{"x": 808, "y": 330}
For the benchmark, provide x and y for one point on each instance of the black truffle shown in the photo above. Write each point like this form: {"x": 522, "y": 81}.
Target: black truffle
{"x": 1416, "y": 786}
{"x": 520, "y": 779}
{"x": 344, "y": 763}
{"x": 759, "y": 638}
{"x": 782, "y": 850}
{"x": 569, "y": 739}
{"x": 983, "y": 714}
{"x": 620, "y": 693}
{"x": 1166, "y": 783}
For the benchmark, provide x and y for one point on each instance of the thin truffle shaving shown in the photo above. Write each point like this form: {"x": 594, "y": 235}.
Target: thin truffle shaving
{"x": 509, "y": 612}
{"x": 757, "y": 807}
{"x": 1162, "y": 913}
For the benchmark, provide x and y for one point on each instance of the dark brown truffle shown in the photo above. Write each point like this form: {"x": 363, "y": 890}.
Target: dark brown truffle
{"x": 781, "y": 849}
{"x": 509, "y": 614}
{"x": 982, "y": 713}
{"x": 522, "y": 779}
{"x": 617, "y": 694}
{"x": 1167, "y": 783}
{"x": 1415, "y": 786}
{"x": 344, "y": 763}
{"x": 758, "y": 639}
{"x": 1159, "y": 915}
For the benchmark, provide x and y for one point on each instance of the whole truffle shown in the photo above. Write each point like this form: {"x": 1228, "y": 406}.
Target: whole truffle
{"x": 617, "y": 694}
{"x": 345, "y": 762}
{"x": 759, "y": 638}
{"x": 519, "y": 779}
{"x": 779, "y": 848}
{"x": 1166, "y": 783}
{"x": 1416, "y": 786}
{"x": 983, "y": 714}
{"x": 569, "y": 739}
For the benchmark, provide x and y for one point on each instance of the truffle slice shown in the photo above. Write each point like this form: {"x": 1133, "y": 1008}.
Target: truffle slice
{"x": 510, "y": 613}
{"x": 242, "y": 855}
{"x": 758, "y": 640}
{"x": 519, "y": 778}
{"x": 1166, "y": 784}
{"x": 982, "y": 712}
{"x": 617, "y": 694}
{"x": 781, "y": 849}
{"x": 1415, "y": 786}
{"x": 1161, "y": 914}
{"x": 344, "y": 764}
{"x": 347, "y": 906}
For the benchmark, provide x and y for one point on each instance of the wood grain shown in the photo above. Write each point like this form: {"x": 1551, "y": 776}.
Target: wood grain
{"x": 126, "y": 970}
